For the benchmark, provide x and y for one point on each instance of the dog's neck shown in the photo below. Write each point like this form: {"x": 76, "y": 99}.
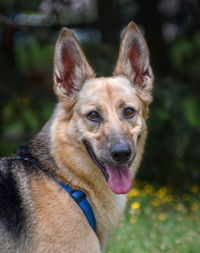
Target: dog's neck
{"x": 39, "y": 148}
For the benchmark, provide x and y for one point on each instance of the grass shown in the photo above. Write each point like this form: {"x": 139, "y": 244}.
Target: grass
{"x": 159, "y": 220}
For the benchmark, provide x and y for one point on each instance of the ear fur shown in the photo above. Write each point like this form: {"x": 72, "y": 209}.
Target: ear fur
{"x": 71, "y": 68}
{"x": 133, "y": 61}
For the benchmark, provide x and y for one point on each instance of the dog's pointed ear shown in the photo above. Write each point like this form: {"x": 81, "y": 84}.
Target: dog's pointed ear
{"x": 71, "y": 68}
{"x": 133, "y": 59}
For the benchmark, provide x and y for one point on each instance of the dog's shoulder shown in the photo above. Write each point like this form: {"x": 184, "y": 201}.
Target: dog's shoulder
{"x": 12, "y": 208}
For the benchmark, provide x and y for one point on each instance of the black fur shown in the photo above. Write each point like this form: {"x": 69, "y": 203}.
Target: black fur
{"x": 12, "y": 213}
{"x": 24, "y": 151}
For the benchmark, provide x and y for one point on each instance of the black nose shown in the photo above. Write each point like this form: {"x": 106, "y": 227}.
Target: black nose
{"x": 121, "y": 152}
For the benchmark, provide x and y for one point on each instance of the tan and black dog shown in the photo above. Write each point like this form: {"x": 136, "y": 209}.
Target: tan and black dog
{"x": 93, "y": 142}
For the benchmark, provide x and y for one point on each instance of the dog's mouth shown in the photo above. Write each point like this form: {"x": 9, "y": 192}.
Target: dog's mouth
{"x": 95, "y": 159}
{"x": 119, "y": 178}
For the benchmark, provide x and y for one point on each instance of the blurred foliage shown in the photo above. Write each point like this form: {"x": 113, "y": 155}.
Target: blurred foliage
{"x": 31, "y": 55}
{"x": 105, "y": 57}
{"x": 172, "y": 152}
{"x": 26, "y": 63}
{"x": 158, "y": 219}
{"x": 23, "y": 116}
{"x": 19, "y": 5}
{"x": 185, "y": 53}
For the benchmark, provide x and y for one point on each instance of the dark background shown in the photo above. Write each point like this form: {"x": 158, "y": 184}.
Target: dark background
{"x": 28, "y": 32}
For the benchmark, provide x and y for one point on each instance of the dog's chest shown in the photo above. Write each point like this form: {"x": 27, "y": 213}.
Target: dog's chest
{"x": 108, "y": 212}
{"x": 60, "y": 225}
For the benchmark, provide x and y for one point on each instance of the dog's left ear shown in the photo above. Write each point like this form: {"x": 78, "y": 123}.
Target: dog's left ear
{"x": 133, "y": 61}
{"x": 71, "y": 68}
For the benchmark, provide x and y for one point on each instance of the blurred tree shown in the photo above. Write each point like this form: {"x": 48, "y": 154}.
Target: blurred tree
{"x": 194, "y": 6}
{"x": 149, "y": 16}
{"x": 109, "y": 21}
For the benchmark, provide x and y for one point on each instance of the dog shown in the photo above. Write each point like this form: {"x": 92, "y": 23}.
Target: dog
{"x": 92, "y": 144}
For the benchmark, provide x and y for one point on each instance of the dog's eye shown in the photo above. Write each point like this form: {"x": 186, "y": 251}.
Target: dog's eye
{"x": 94, "y": 116}
{"x": 129, "y": 112}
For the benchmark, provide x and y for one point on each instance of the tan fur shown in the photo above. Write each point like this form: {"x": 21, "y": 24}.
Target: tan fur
{"x": 74, "y": 166}
{"x": 58, "y": 223}
{"x": 59, "y": 216}
{"x": 81, "y": 172}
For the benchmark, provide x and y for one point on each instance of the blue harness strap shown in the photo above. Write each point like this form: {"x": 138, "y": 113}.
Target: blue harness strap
{"x": 78, "y": 196}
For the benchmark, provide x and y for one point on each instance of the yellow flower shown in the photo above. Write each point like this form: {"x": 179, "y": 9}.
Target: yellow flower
{"x": 155, "y": 202}
{"x": 186, "y": 197}
{"x": 162, "y": 216}
{"x": 162, "y": 192}
{"x": 133, "y": 193}
{"x": 194, "y": 188}
{"x": 168, "y": 198}
{"x": 135, "y": 205}
{"x": 180, "y": 207}
{"x": 148, "y": 189}
{"x": 195, "y": 206}
{"x": 133, "y": 219}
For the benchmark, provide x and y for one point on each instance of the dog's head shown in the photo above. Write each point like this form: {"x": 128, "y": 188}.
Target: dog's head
{"x": 106, "y": 117}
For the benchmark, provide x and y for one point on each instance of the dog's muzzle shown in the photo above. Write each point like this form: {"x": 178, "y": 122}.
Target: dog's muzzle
{"x": 117, "y": 172}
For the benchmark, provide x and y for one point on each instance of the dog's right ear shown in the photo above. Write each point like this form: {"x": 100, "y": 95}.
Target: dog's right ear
{"x": 71, "y": 68}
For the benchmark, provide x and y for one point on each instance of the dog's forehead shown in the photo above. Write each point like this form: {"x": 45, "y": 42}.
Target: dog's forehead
{"x": 110, "y": 88}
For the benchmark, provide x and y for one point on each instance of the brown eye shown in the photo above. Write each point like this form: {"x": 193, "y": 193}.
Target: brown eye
{"x": 129, "y": 112}
{"x": 94, "y": 116}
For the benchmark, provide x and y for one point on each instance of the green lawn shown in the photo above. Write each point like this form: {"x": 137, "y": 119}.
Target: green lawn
{"x": 158, "y": 220}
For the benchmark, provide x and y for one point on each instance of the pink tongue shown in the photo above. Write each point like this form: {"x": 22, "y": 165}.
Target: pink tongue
{"x": 120, "y": 179}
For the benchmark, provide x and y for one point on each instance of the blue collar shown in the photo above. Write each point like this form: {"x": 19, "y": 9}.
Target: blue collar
{"x": 78, "y": 196}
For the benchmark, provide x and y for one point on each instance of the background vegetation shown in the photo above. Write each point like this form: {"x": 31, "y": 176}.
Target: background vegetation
{"x": 28, "y": 31}
{"x": 159, "y": 220}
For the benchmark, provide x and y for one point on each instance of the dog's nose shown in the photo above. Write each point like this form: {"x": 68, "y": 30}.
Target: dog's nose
{"x": 121, "y": 152}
